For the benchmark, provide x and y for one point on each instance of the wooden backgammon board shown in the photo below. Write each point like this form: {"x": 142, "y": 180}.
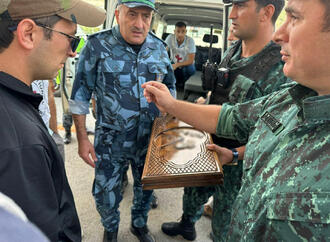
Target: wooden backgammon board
{"x": 177, "y": 157}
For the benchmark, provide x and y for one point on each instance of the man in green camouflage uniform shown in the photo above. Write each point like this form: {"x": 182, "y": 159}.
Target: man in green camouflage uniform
{"x": 285, "y": 189}
{"x": 255, "y": 70}
{"x": 113, "y": 65}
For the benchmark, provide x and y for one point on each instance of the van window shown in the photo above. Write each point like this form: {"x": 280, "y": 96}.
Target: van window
{"x": 197, "y": 33}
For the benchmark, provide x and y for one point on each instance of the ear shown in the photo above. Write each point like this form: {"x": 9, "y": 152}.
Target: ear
{"x": 117, "y": 15}
{"x": 27, "y": 34}
{"x": 267, "y": 13}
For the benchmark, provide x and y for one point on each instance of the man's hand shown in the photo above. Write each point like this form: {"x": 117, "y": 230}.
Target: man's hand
{"x": 159, "y": 94}
{"x": 85, "y": 148}
{"x": 175, "y": 65}
{"x": 225, "y": 155}
{"x": 203, "y": 117}
{"x": 200, "y": 100}
{"x": 86, "y": 152}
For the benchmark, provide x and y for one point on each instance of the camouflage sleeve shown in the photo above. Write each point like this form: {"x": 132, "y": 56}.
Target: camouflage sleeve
{"x": 237, "y": 121}
{"x": 85, "y": 79}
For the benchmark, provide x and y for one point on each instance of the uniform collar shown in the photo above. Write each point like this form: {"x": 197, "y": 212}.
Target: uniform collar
{"x": 20, "y": 89}
{"x": 317, "y": 108}
{"x": 148, "y": 43}
{"x": 314, "y": 107}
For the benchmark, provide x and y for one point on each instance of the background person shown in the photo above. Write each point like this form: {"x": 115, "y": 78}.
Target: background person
{"x": 47, "y": 110}
{"x": 66, "y": 89}
{"x": 285, "y": 186}
{"x": 113, "y": 65}
{"x": 182, "y": 49}
{"x": 231, "y": 37}
{"x": 36, "y": 38}
{"x": 67, "y": 76}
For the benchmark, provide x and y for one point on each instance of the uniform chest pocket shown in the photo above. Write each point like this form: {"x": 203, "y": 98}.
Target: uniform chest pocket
{"x": 298, "y": 217}
{"x": 310, "y": 207}
{"x": 156, "y": 71}
{"x": 118, "y": 74}
{"x": 241, "y": 89}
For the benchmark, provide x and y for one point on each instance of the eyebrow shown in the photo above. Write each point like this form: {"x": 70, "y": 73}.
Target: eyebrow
{"x": 291, "y": 10}
{"x": 136, "y": 12}
{"x": 131, "y": 10}
{"x": 240, "y": 3}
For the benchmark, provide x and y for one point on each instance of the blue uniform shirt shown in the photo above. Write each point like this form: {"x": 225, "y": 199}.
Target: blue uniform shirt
{"x": 110, "y": 67}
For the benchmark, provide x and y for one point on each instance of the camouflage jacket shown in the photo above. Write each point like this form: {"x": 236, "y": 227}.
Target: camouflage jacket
{"x": 285, "y": 192}
{"x": 244, "y": 88}
{"x": 111, "y": 69}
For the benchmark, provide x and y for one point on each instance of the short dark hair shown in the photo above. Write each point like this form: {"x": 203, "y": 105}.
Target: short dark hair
{"x": 326, "y": 26}
{"x": 278, "y": 5}
{"x": 180, "y": 24}
{"x": 7, "y": 36}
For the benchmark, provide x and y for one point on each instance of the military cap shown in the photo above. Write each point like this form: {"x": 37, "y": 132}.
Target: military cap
{"x": 138, "y": 3}
{"x": 77, "y": 11}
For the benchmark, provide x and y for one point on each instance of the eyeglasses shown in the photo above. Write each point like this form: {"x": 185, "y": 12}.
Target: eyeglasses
{"x": 74, "y": 41}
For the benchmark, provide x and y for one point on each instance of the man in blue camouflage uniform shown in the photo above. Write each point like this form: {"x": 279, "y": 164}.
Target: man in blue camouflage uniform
{"x": 255, "y": 70}
{"x": 285, "y": 189}
{"x": 113, "y": 65}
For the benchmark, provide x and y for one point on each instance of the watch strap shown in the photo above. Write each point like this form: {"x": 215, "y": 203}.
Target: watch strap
{"x": 235, "y": 156}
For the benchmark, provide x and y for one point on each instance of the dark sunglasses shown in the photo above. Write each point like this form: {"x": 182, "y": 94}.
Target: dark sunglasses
{"x": 74, "y": 41}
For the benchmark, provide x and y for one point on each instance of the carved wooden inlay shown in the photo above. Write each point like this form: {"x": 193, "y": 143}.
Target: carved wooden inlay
{"x": 177, "y": 156}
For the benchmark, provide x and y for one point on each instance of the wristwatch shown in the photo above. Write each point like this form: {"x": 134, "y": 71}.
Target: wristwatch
{"x": 235, "y": 156}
